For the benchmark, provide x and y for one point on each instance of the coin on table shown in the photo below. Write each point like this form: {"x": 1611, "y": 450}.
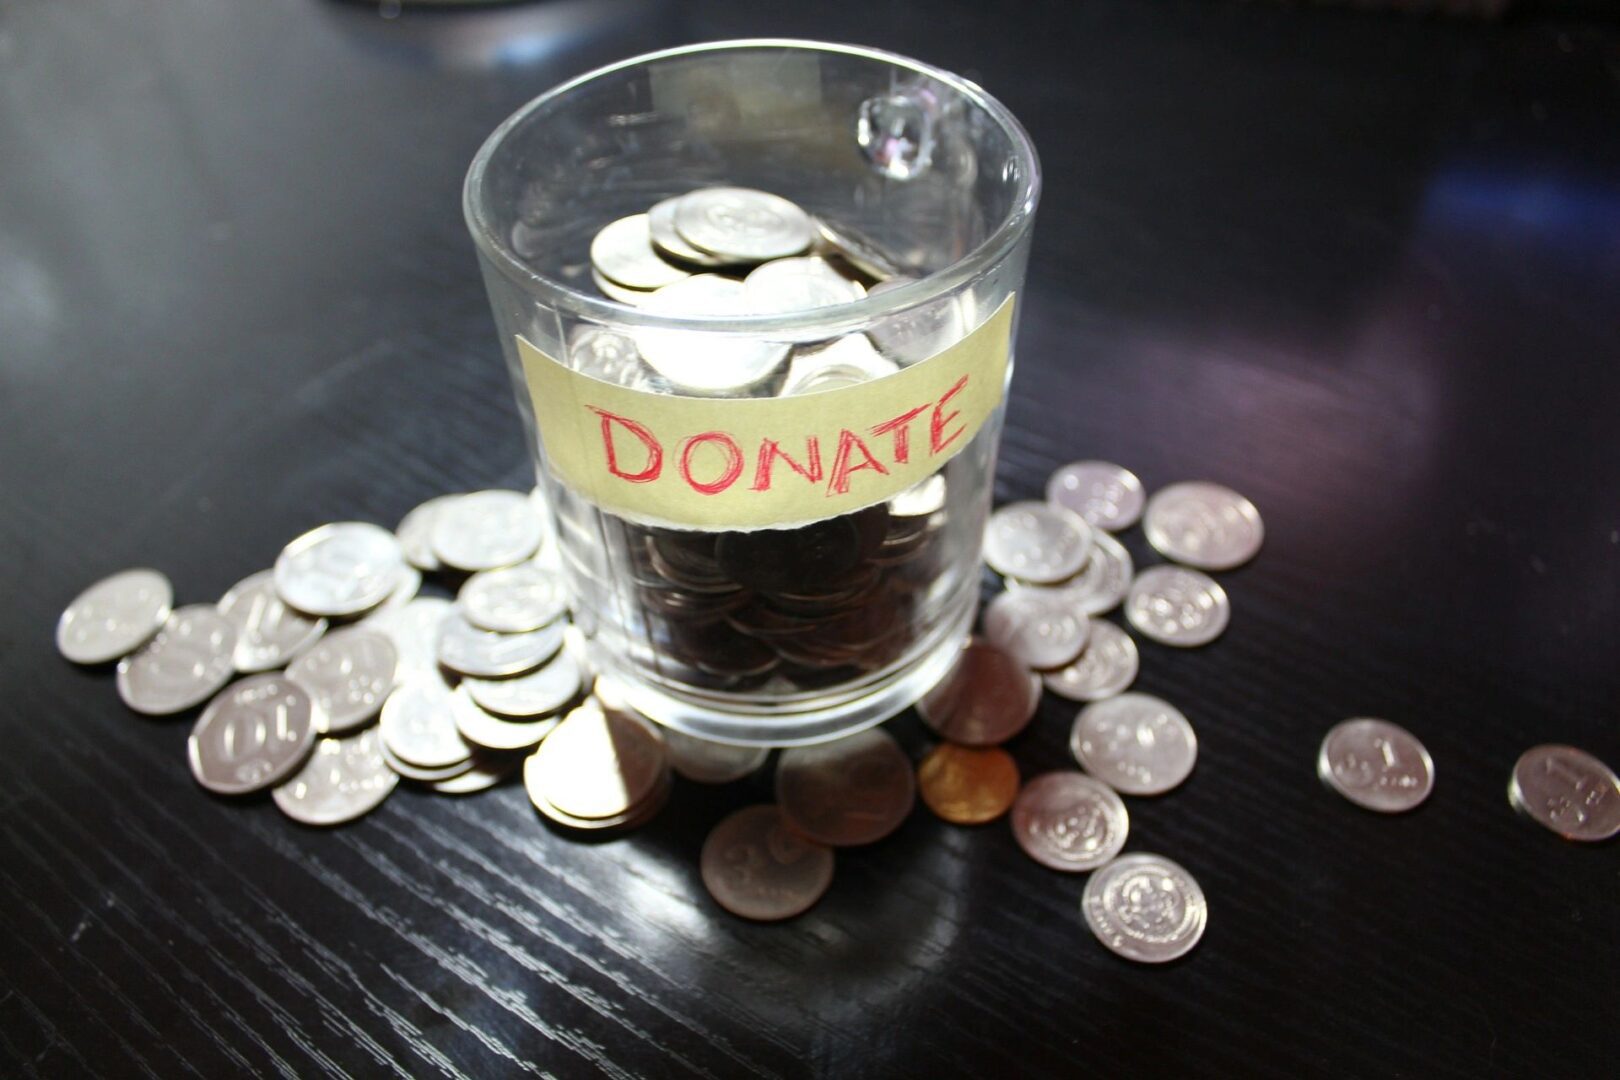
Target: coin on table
{"x": 540, "y": 692}
{"x": 485, "y": 654}
{"x": 967, "y": 785}
{"x": 415, "y": 533}
{"x": 623, "y": 252}
{"x": 512, "y": 600}
{"x": 1107, "y": 667}
{"x": 701, "y": 362}
{"x": 1037, "y": 542}
{"x": 1135, "y": 743}
{"x": 487, "y": 771}
{"x": 607, "y": 355}
{"x": 1145, "y": 908}
{"x": 597, "y": 764}
{"x": 114, "y": 617}
{"x": 667, "y": 238}
{"x": 757, "y": 867}
{"x": 853, "y": 790}
{"x": 410, "y": 583}
{"x": 1100, "y": 585}
{"x": 1568, "y": 791}
{"x": 742, "y": 225}
{"x": 486, "y": 530}
{"x": 183, "y": 666}
{"x": 704, "y": 761}
{"x": 257, "y": 732}
{"x": 343, "y": 779}
{"x": 268, "y": 632}
{"x": 1037, "y": 627}
{"x": 1176, "y": 606}
{"x": 986, "y": 698}
{"x": 493, "y": 733}
{"x": 348, "y": 674}
{"x": 1070, "y": 821}
{"x": 1203, "y": 525}
{"x": 638, "y": 813}
{"x": 339, "y": 569}
{"x": 419, "y": 726}
{"x": 1107, "y": 495}
{"x": 1376, "y": 764}
{"x": 783, "y": 286}
{"x": 414, "y": 630}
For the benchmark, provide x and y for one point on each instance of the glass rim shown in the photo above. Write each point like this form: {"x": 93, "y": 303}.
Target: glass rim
{"x": 986, "y": 254}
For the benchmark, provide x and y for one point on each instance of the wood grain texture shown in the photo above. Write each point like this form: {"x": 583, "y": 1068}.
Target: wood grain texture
{"x": 1362, "y": 269}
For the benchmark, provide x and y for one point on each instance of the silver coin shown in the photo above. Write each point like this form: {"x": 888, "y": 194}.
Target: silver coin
{"x": 920, "y": 500}
{"x": 465, "y": 649}
{"x": 492, "y": 733}
{"x": 513, "y": 599}
{"x": 607, "y": 355}
{"x": 846, "y": 361}
{"x": 414, "y": 630}
{"x": 1069, "y": 821}
{"x": 348, "y": 675}
{"x": 1107, "y": 667}
{"x": 257, "y": 732}
{"x": 1145, "y": 908}
{"x": 487, "y": 771}
{"x": 1100, "y": 585}
{"x": 419, "y": 726}
{"x": 343, "y": 779}
{"x": 1134, "y": 743}
{"x": 1107, "y": 495}
{"x": 706, "y": 762}
{"x": 424, "y": 775}
{"x": 339, "y": 569}
{"x": 623, "y": 253}
{"x": 410, "y": 583}
{"x": 614, "y": 291}
{"x": 1376, "y": 764}
{"x": 859, "y": 251}
{"x": 415, "y": 533}
{"x": 756, "y": 866}
{"x": 1203, "y": 525}
{"x": 487, "y": 530}
{"x": 1176, "y": 606}
{"x": 1036, "y": 627}
{"x": 1037, "y": 542}
{"x": 114, "y": 617}
{"x": 545, "y": 690}
{"x": 667, "y": 238}
{"x": 742, "y": 225}
{"x": 1568, "y": 791}
{"x": 188, "y": 660}
{"x": 914, "y": 334}
{"x": 700, "y": 362}
{"x": 268, "y": 632}
{"x": 784, "y": 286}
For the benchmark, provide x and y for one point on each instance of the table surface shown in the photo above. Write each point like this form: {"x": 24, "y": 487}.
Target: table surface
{"x": 1361, "y": 268}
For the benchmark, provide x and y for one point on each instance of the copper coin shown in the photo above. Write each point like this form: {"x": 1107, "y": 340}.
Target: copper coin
{"x": 1069, "y": 821}
{"x": 853, "y": 790}
{"x": 755, "y": 866}
{"x": 986, "y": 698}
{"x": 968, "y": 785}
{"x": 597, "y": 763}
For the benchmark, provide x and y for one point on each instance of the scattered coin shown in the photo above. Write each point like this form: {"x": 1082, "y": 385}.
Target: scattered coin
{"x": 702, "y": 362}
{"x": 1036, "y": 627}
{"x": 410, "y": 583}
{"x": 114, "y": 617}
{"x": 339, "y": 569}
{"x": 920, "y": 500}
{"x": 545, "y": 690}
{"x": 1107, "y": 666}
{"x": 415, "y": 533}
{"x": 986, "y": 698}
{"x": 487, "y": 771}
{"x": 343, "y": 779}
{"x": 597, "y": 764}
{"x": 623, "y": 253}
{"x": 1070, "y": 821}
{"x": 850, "y": 791}
{"x": 1037, "y": 542}
{"x": 783, "y": 286}
{"x": 1109, "y": 496}
{"x": 1135, "y": 743}
{"x": 757, "y": 867}
{"x": 704, "y": 761}
{"x": 1145, "y": 908}
{"x": 268, "y": 632}
{"x": 741, "y": 224}
{"x": 1203, "y": 525}
{"x": 257, "y": 732}
{"x": 1377, "y": 765}
{"x": 968, "y": 785}
{"x": 414, "y": 630}
{"x": 487, "y": 530}
{"x": 419, "y": 726}
{"x": 1176, "y": 606}
{"x": 512, "y": 600}
{"x": 424, "y": 775}
{"x": 492, "y": 733}
{"x": 1100, "y": 585}
{"x": 348, "y": 674}
{"x": 1568, "y": 791}
{"x": 184, "y": 665}
{"x": 468, "y": 650}
{"x": 639, "y": 813}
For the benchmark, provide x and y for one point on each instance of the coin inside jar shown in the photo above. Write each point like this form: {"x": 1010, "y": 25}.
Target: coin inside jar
{"x": 967, "y": 785}
{"x": 850, "y": 791}
{"x": 1176, "y": 606}
{"x": 701, "y": 362}
{"x": 986, "y": 698}
{"x": 757, "y": 867}
{"x": 623, "y": 252}
{"x": 742, "y": 224}
{"x": 1070, "y": 821}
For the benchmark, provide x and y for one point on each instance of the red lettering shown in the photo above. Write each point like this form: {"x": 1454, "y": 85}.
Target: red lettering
{"x": 770, "y": 450}
{"x": 734, "y": 462}
{"x": 937, "y": 422}
{"x": 901, "y": 426}
{"x": 848, "y": 443}
{"x": 655, "y": 452}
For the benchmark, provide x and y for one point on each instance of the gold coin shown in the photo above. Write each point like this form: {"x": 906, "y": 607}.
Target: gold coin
{"x": 597, "y": 764}
{"x": 967, "y": 785}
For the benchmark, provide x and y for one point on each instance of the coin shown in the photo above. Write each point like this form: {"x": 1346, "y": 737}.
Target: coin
{"x": 757, "y": 867}
{"x": 415, "y": 533}
{"x": 1107, "y": 666}
{"x": 846, "y": 361}
{"x": 920, "y": 500}
{"x": 1568, "y": 791}
{"x": 1107, "y": 495}
{"x": 741, "y": 224}
{"x": 700, "y": 362}
{"x": 853, "y": 790}
{"x": 607, "y": 355}
{"x": 1145, "y": 908}
{"x": 468, "y": 650}
{"x": 859, "y": 251}
{"x": 424, "y": 775}
{"x": 986, "y": 698}
{"x": 544, "y": 690}
{"x": 1203, "y": 525}
{"x": 414, "y": 630}
{"x": 188, "y": 660}
{"x": 487, "y": 530}
{"x": 512, "y": 600}
{"x": 339, "y": 569}
{"x": 704, "y": 761}
{"x": 1036, "y": 627}
{"x": 1100, "y": 585}
{"x": 1135, "y": 743}
{"x": 783, "y": 286}
{"x": 597, "y": 763}
{"x": 639, "y": 813}
{"x": 487, "y": 771}
{"x": 1176, "y": 606}
{"x": 614, "y": 291}
{"x": 967, "y": 785}
{"x": 257, "y": 732}
{"x": 1070, "y": 821}
{"x": 348, "y": 674}
{"x": 492, "y": 733}
{"x": 268, "y": 632}
{"x": 410, "y": 583}
{"x": 667, "y": 238}
{"x": 114, "y": 617}
{"x": 623, "y": 253}
{"x": 1376, "y": 764}
{"x": 343, "y": 779}
{"x": 1037, "y": 542}
{"x": 419, "y": 725}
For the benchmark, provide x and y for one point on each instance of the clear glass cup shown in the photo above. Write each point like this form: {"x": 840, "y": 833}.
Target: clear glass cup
{"x": 789, "y": 635}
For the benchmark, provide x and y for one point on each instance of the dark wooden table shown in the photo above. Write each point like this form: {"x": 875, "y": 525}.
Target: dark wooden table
{"x": 1364, "y": 269}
